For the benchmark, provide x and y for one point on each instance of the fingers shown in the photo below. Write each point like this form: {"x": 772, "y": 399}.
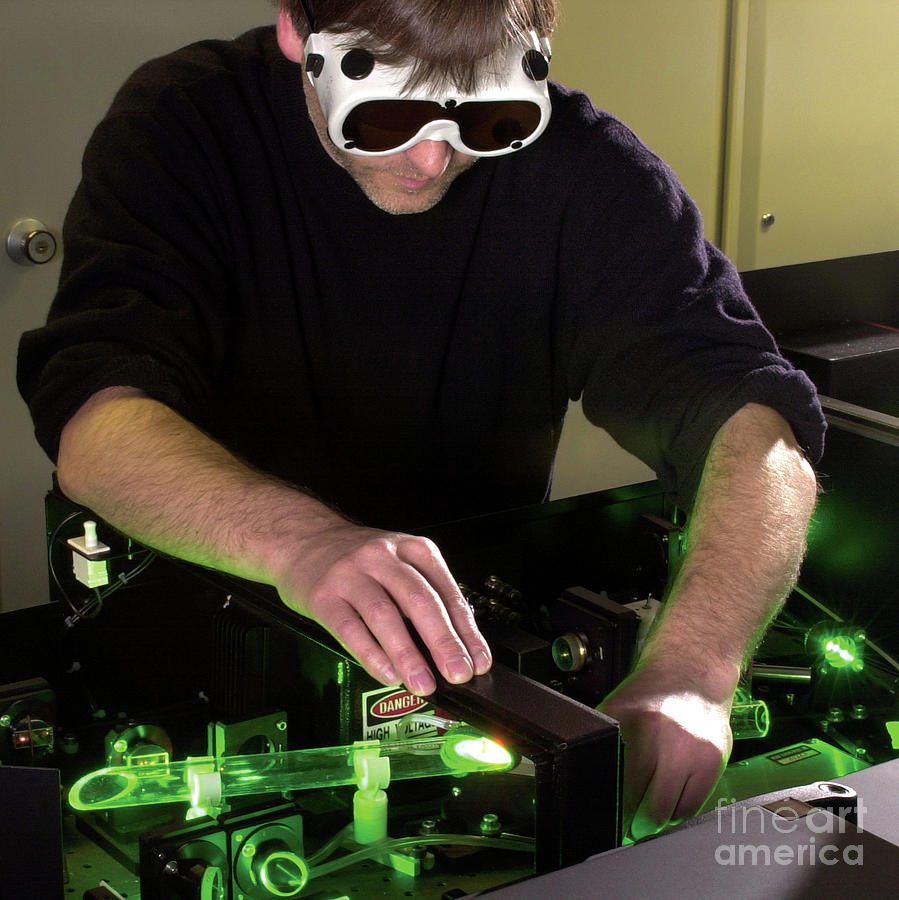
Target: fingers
{"x": 675, "y": 747}
{"x": 452, "y": 615}
{"x": 677, "y": 790}
{"x": 371, "y": 597}
{"x": 344, "y": 622}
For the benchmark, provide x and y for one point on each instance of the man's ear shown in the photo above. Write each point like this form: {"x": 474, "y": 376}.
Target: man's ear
{"x": 291, "y": 44}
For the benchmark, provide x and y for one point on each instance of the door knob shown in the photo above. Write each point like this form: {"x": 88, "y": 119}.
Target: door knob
{"x": 30, "y": 243}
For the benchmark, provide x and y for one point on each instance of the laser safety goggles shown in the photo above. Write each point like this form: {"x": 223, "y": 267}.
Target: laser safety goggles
{"x": 370, "y": 113}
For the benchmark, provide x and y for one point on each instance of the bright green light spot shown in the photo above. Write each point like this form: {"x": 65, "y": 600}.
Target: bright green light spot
{"x": 840, "y": 651}
{"x": 481, "y": 750}
{"x": 470, "y": 752}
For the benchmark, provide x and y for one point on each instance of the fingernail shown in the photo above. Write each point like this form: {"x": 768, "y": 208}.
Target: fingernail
{"x": 389, "y": 676}
{"x": 458, "y": 669}
{"x": 421, "y": 682}
{"x": 482, "y": 661}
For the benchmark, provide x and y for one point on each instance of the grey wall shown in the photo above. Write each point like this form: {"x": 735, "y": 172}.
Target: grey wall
{"x": 60, "y": 63}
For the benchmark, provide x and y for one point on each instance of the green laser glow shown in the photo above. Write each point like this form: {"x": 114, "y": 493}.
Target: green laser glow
{"x": 840, "y": 651}
{"x": 468, "y": 751}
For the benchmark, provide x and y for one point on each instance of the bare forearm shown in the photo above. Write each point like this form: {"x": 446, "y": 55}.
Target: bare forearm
{"x": 154, "y": 475}
{"x": 145, "y": 469}
{"x": 744, "y": 545}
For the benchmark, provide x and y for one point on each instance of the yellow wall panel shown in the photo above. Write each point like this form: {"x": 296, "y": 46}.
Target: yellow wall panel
{"x": 661, "y": 68}
{"x": 814, "y": 131}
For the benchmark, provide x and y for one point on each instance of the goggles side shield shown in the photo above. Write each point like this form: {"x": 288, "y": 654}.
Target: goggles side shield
{"x": 370, "y": 113}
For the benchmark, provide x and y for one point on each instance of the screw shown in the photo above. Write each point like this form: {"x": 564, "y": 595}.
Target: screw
{"x": 490, "y": 824}
{"x": 428, "y": 826}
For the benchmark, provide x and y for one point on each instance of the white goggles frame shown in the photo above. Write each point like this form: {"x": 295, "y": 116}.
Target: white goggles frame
{"x": 519, "y": 76}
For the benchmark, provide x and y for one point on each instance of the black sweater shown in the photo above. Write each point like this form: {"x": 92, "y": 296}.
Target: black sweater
{"x": 409, "y": 369}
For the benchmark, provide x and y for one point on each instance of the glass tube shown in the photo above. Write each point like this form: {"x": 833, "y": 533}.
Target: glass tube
{"x": 457, "y": 752}
{"x": 749, "y": 718}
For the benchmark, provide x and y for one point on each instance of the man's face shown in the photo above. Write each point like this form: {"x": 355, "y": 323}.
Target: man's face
{"x": 408, "y": 182}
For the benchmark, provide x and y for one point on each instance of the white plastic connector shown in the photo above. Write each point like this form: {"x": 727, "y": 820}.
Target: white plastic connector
{"x": 205, "y": 783}
{"x": 646, "y": 611}
{"x": 88, "y": 557}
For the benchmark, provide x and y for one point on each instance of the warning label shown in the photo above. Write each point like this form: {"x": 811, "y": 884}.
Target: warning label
{"x": 793, "y": 755}
{"x": 389, "y": 714}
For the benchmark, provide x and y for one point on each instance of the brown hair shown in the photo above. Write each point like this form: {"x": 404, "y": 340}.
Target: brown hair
{"x": 447, "y": 38}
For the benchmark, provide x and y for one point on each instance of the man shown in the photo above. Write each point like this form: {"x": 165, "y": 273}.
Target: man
{"x": 292, "y": 303}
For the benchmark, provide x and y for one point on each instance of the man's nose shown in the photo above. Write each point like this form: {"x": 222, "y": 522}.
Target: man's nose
{"x": 430, "y": 157}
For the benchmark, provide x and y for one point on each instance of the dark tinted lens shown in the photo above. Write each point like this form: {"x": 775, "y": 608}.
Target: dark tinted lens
{"x": 485, "y": 126}
{"x": 381, "y": 125}
{"x": 495, "y": 125}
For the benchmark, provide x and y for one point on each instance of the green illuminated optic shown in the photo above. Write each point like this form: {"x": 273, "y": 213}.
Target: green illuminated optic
{"x": 840, "y": 651}
{"x": 159, "y": 758}
{"x": 466, "y": 750}
{"x": 284, "y": 874}
{"x": 205, "y": 781}
{"x": 749, "y": 718}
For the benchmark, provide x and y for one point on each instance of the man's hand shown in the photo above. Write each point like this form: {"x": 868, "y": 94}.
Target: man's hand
{"x": 677, "y": 740}
{"x": 368, "y": 588}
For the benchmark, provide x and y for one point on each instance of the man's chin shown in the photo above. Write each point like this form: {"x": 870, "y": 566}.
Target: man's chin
{"x": 404, "y": 204}
{"x": 400, "y": 201}
{"x": 398, "y": 195}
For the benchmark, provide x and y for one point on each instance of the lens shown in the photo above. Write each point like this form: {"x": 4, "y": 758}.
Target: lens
{"x": 494, "y": 125}
{"x": 380, "y": 125}
{"x": 485, "y": 126}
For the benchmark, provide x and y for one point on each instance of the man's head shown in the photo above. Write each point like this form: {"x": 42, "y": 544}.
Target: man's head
{"x": 433, "y": 43}
{"x": 447, "y": 37}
